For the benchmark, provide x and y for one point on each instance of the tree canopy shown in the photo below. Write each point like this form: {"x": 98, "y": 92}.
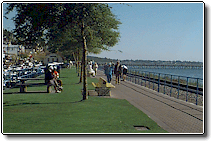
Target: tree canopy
{"x": 74, "y": 27}
{"x": 7, "y": 35}
{"x": 60, "y": 24}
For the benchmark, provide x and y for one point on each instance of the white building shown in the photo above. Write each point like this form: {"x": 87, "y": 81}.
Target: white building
{"x": 53, "y": 57}
{"x": 13, "y": 49}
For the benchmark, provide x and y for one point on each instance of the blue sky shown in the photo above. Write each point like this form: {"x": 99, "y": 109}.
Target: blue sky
{"x": 8, "y": 23}
{"x": 156, "y": 31}
{"x": 159, "y": 31}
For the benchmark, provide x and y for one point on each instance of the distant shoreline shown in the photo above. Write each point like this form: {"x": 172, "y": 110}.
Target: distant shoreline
{"x": 99, "y": 59}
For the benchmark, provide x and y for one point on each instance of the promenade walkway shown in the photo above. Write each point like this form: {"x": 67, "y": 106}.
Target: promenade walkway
{"x": 173, "y": 115}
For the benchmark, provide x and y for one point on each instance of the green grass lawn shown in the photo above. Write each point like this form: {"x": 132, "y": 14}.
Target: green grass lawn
{"x": 66, "y": 113}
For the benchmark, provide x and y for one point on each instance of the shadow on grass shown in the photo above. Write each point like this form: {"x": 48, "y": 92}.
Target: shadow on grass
{"x": 30, "y": 103}
{"x": 28, "y": 92}
{"x": 63, "y": 77}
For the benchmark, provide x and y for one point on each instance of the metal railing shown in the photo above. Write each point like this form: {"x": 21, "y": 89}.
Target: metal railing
{"x": 189, "y": 89}
{"x": 181, "y": 87}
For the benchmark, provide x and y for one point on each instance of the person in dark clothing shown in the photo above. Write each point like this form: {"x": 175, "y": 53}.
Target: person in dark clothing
{"x": 49, "y": 76}
{"x": 58, "y": 69}
{"x": 117, "y": 72}
{"x": 124, "y": 72}
{"x": 46, "y": 74}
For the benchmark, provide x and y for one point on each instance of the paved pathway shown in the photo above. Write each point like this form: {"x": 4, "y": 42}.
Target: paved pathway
{"x": 173, "y": 115}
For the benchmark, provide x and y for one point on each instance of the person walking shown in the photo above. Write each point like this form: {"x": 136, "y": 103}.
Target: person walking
{"x": 95, "y": 68}
{"x": 124, "y": 72}
{"x": 90, "y": 69}
{"x": 109, "y": 72}
{"x": 117, "y": 72}
{"x": 105, "y": 67}
{"x": 112, "y": 65}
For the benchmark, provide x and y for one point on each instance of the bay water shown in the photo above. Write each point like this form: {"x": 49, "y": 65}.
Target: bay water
{"x": 195, "y": 73}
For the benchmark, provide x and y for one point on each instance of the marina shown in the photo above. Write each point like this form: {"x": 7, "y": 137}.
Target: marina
{"x": 12, "y": 75}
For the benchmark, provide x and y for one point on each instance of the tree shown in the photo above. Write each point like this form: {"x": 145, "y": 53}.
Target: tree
{"x": 8, "y": 36}
{"x": 91, "y": 26}
{"x": 98, "y": 29}
{"x": 32, "y": 20}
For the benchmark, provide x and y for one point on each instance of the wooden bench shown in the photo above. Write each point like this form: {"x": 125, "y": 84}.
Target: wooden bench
{"x": 103, "y": 88}
{"x": 23, "y": 85}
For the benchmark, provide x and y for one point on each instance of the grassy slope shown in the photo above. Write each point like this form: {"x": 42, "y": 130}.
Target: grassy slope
{"x": 66, "y": 113}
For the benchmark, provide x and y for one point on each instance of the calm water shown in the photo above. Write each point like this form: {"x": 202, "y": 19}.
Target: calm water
{"x": 196, "y": 73}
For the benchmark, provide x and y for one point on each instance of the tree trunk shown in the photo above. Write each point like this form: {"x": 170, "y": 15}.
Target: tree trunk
{"x": 81, "y": 74}
{"x": 76, "y": 61}
{"x": 84, "y": 64}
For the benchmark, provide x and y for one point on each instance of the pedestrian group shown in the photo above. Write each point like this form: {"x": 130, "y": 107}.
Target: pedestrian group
{"x": 116, "y": 69}
{"x": 92, "y": 68}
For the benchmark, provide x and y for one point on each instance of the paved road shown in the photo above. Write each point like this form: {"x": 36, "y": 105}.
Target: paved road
{"x": 173, "y": 115}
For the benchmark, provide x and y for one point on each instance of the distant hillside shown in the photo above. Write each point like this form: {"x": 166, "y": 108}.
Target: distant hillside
{"x": 153, "y": 62}
{"x": 100, "y": 60}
